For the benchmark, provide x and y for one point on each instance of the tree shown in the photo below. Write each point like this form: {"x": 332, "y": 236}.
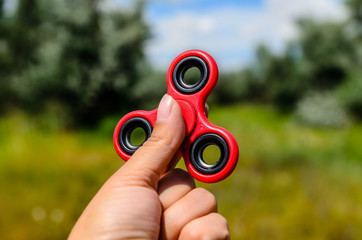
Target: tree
{"x": 325, "y": 60}
{"x": 102, "y": 61}
{"x": 4, "y": 57}
{"x": 76, "y": 55}
{"x": 23, "y": 36}
{"x": 355, "y": 7}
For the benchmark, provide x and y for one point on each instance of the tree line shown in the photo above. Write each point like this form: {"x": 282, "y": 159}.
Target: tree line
{"x": 323, "y": 64}
{"x": 88, "y": 63}
{"x": 71, "y": 54}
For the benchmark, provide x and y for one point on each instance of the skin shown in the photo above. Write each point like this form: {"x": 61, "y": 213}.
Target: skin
{"x": 146, "y": 200}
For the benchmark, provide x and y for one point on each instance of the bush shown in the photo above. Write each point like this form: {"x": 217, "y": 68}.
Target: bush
{"x": 74, "y": 54}
{"x": 321, "y": 110}
{"x": 350, "y": 93}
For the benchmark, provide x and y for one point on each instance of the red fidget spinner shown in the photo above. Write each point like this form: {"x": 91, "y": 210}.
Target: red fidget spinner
{"x": 200, "y": 133}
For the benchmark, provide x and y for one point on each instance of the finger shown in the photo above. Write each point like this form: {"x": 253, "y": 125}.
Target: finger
{"x": 195, "y": 204}
{"x": 152, "y": 159}
{"x": 173, "y": 186}
{"x": 212, "y": 226}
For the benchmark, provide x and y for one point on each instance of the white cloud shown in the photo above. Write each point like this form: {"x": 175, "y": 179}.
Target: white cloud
{"x": 231, "y": 33}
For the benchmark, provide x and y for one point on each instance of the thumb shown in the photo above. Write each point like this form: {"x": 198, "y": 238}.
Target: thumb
{"x": 151, "y": 160}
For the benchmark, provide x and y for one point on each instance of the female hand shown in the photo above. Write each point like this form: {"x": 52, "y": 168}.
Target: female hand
{"x": 141, "y": 201}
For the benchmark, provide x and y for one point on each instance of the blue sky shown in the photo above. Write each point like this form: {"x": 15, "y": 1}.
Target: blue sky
{"x": 229, "y": 30}
{"x": 160, "y": 8}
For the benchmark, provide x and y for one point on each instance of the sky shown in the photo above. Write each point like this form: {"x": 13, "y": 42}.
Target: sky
{"x": 229, "y": 30}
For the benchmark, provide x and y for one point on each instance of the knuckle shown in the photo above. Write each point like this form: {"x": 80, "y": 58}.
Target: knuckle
{"x": 207, "y": 197}
{"x": 220, "y": 219}
{"x": 156, "y": 139}
{"x": 224, "y": 234}
{"x": 183, "y": 176}
{"x": 216, "y": 231}
{"x": 192, "y": 233}
{"x": 223, "y": 221}
{"x": 224, "y": 231}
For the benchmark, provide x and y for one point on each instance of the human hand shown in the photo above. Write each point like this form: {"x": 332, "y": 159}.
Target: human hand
{"x": 141, "y": 201}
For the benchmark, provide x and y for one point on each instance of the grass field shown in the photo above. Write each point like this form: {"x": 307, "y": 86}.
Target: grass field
{"x": 292, "y": 181}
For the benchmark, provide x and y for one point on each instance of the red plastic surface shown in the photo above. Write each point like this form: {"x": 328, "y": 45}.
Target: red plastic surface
{"x": 197, "y": 124}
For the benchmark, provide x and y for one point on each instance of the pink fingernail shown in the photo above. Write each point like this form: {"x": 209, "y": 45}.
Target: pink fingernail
{"x": 164, "y": 109}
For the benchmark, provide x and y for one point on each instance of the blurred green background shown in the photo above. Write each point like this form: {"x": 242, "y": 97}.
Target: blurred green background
{"x": 70, "y": 69}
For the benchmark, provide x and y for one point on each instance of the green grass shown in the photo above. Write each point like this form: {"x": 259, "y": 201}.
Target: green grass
{"x": 291, "y": 182}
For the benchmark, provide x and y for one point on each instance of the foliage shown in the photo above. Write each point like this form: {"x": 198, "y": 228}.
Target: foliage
{"x": 291, "y": 182}
{"x": 150, "y": 89}
{"x": 355, "y": 7}
{"x": 232, "y": 87}
{"x": 321, "y": 109}
{"x": 83, "y": 60}
{"x": 350, "y": 93}
{"x": 74, "y": 54}
{"x": 326, "y": 57}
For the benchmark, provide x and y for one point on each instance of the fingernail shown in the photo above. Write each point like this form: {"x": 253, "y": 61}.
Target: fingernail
{"x": 164, "y": 109}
